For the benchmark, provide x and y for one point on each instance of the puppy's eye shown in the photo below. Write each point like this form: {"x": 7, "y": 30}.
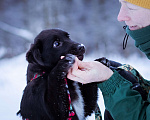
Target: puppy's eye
{"x": 57, "y": 44}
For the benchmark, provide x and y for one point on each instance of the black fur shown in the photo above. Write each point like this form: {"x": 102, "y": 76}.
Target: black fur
{"x": 46, "y": 98}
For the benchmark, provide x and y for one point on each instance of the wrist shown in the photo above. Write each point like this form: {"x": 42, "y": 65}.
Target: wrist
{"x": 109, "y": 73}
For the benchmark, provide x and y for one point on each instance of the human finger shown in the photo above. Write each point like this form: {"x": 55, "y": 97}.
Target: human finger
{"x": 76, "y": 78}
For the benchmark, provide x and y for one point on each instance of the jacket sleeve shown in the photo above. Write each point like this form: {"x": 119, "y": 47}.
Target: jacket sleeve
{"x": 122, "y": 101}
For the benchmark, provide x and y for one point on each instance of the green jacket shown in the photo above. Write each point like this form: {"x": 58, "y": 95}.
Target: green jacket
{"x": 120, "y": 99}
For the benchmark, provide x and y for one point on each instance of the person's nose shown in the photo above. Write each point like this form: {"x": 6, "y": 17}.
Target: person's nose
{"x": 123, "y": 15}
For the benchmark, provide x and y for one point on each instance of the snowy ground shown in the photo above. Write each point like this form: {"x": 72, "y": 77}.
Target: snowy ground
{"x": 13, "y": 81}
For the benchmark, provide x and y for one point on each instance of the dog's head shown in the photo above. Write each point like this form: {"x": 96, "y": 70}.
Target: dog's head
{"x": 50, "y": 45}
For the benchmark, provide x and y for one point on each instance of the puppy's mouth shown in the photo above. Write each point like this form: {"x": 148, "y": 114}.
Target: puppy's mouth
{"x": 78, "y": 50}
{"x": 80, "y": 57}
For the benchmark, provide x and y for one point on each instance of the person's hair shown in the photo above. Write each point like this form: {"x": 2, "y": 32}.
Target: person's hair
{"x": 141, "y": 3}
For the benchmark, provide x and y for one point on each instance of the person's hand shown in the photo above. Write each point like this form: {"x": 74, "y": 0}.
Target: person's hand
{"x": 88, "y": 72}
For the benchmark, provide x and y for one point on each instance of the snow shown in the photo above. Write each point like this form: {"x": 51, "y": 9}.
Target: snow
{"x": 13, "y": 81}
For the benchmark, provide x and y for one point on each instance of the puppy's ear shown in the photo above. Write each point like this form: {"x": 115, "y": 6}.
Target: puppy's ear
{"x": 34, "y": 54}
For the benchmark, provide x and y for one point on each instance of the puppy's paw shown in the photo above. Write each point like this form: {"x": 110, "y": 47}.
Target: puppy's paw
{"x": 67, "y": 62}
{"x": 64, "y": 65}
{"x": 104, "y": 61}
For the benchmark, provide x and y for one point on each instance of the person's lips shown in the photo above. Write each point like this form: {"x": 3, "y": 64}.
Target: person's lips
{"x": 133, "y": 27}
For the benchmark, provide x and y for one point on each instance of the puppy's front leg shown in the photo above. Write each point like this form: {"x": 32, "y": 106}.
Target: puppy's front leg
{"x": 57, "y": 97}
{"x": 63, "y": 66}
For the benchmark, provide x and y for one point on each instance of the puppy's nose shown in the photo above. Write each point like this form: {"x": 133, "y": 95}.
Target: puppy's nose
{"x": 81, "y": 48}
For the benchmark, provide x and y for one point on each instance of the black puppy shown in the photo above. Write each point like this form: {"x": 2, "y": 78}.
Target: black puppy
{"x": 48, "y": 91}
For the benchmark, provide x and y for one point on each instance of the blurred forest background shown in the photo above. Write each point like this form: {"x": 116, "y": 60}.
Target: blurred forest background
{"x": 91, "y": 22}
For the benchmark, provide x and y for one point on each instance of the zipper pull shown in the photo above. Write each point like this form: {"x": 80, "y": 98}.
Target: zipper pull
{"x": 125, "y": 40}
